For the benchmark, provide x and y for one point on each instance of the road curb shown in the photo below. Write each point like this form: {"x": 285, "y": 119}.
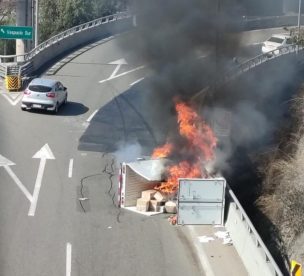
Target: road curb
{"x": 206, "y": 266}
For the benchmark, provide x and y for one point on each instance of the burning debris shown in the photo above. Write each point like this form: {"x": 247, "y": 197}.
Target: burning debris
{"x": 194, "y": 150}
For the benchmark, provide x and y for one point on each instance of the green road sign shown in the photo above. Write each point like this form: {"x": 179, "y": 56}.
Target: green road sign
{"x": 16, "y": 32}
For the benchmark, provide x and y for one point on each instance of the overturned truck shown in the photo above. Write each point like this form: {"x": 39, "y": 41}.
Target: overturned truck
{"x": 198, "y": 201}
{"x": 201, "y": 201}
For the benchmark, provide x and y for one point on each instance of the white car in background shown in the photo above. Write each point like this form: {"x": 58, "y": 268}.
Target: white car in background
{"x": 276, "y": 42}
{"x": 44, "y": 94}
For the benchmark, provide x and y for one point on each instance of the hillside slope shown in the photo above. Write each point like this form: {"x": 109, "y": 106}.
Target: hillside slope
{"x": 283, "y": 185}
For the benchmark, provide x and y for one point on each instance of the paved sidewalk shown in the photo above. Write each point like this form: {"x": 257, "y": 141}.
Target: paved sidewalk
{"x": 215, "y": 251}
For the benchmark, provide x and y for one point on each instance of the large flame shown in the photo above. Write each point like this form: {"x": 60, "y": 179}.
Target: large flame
{"x": 196, "y": 131}
{"x": 200, "y": 145}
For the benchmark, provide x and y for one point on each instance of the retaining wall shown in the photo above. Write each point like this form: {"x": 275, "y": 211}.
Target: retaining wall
{"x": 250, "y": 247}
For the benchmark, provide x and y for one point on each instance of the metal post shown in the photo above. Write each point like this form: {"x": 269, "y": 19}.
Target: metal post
{"x": 36, "y": 22}
{"x": 217, "y": 38}
{"x": 299, "y": 18}
{"x": 5, "y": 47}
{"x": 20, "y": 21}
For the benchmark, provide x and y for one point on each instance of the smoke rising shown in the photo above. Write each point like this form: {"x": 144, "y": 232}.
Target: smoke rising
{"x": 128, "y": 153}
{"x": 189, "y": 45}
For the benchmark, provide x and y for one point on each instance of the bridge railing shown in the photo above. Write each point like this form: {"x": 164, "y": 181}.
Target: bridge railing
{"x": 251, "y": 248}
{"x": 53, "y": 40}
{"x": 249, "y": 64}
{"x": 260, "y": 59}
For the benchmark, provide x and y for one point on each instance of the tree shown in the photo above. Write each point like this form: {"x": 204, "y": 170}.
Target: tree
{"x": 59, "y": 15}
{"x": 7, "y": 17}
{"x": 49, "y": 18}
{"x": 7, "y": 11}
{"x": 75, "y": 12}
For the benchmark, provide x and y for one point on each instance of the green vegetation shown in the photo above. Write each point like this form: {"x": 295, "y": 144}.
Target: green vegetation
{"x": 282, "y": 195}
{"x": 56, "y": 16}
{"x": 59, "y": 15}
{"x": 7, "y": 47}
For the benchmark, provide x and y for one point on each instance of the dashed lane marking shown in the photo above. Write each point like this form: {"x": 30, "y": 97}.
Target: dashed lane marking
{"x": 137, "y": 81}
{"x": 68, "y": 259}
{"x": 92, "y": 115}
{"x": 71, "y": 168}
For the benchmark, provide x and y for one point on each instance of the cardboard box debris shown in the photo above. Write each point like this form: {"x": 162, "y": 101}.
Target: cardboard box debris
{"x": 170, "y": 207}
{"x": 148, "y": 194}
{"x": 154, "y": 205}
{"x": 142, "y": 205}
{"x": 160, "y": 196}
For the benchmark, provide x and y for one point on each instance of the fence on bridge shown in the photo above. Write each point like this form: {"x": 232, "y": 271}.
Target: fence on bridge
{"x": 65, "y": 42}
{"x": 248, "y": 243}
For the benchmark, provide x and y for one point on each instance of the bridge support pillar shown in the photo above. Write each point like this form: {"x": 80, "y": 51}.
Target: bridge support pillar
{"x": 23, "y": 18}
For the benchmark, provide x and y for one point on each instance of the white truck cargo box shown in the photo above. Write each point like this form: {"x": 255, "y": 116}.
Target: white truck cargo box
{"x": 139, "y": 176}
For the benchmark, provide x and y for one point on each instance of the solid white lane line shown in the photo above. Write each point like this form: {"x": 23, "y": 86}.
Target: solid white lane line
{"x": 71, "y": 167}
{"x": 37, "y": 187}
{"x": 68, "y": 259}
{"x": 137, "y": 81}
{"x": 92, "y": 115}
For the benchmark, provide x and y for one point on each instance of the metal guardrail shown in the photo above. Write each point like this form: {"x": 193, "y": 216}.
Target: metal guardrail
{"x": 251, "y": 229}
{"x": 258, "y": 60}
{"x": 3, "y": 69}
{"x": 91, "y": 24}
{"x": 249, "y": 64}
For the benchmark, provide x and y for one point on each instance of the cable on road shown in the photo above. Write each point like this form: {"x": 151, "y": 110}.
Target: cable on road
{"x": 109, "y": 170}
{"x": 81, "y": 189}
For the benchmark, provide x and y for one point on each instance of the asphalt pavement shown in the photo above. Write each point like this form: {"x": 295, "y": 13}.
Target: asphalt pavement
{"x": 59, "y": 182}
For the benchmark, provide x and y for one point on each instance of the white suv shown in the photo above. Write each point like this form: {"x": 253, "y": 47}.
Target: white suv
{"x": 44, "y": 94}
{"x": 276, "y": 42}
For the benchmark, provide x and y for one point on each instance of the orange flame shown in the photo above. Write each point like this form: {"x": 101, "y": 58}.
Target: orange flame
{"x": 181, "y": 170}
{"x": 200, "y": 141}
{"x": 163, "y": 151}
{"x": 196, "y": 131}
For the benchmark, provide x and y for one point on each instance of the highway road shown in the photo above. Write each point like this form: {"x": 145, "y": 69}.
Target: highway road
{"x": 58, "y": 175}
{"x": 58, "y": 200}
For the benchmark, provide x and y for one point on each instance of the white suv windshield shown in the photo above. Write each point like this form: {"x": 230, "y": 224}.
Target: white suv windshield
{"x": 276, "y": 40}
{"x": 40, "y": 88}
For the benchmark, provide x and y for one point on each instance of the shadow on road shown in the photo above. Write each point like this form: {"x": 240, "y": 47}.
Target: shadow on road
{"x": 123, "y": 121}
{"x": 72, "y": 109}
{"x": 69, "y": 109}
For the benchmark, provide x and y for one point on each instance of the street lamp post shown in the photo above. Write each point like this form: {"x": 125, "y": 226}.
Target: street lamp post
{"x": 36, "y": 23}
{"x": 299, "y": 18}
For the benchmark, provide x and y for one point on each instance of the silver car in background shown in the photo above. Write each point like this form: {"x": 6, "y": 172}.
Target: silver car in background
{"x": 275, "y": 43}
{"x": 45, "y": 94}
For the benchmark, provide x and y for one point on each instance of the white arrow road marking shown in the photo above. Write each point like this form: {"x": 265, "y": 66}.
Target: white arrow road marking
{"x": 13, "y": 98}
{"x": 124, "y": 73}
{"x": 6, "y": 163}
{"x": 43, "y": 154}
{"x": 118, "y": 62}
{"x": 68, "y": 259}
